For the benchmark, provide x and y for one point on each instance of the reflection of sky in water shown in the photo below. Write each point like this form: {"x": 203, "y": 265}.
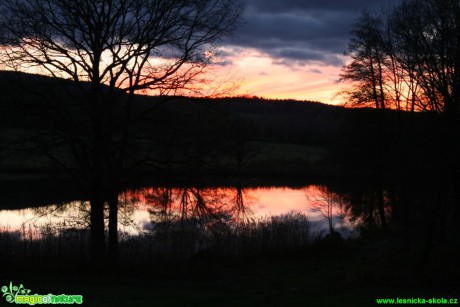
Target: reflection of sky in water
{"x": 263, "y": 202}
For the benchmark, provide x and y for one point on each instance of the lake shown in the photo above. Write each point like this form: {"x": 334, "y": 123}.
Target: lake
{"x": 141, "y": 210}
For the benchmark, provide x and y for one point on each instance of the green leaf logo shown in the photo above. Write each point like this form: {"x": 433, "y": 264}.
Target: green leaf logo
{"x": 9, "y": 298}
{"x": 10, "y": 292}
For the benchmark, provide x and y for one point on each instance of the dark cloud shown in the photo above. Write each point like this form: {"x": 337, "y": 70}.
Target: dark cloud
{"x": 295, "y": 57}
{"x": 302, "y": 31}
{"x": 315, "y": 71}
{"x": 223, "y": 63}
{"x": 279, "y": 6}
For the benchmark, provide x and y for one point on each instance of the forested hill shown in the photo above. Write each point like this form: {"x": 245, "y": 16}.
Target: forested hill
{"x": 359, "y": 140}
{"x": 299, "y": 122}
{"x": 289, "y": 121}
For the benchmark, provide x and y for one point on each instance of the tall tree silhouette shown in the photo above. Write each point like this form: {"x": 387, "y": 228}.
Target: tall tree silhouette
{"x": 111, "y": 49}
{"x": 416, "y": 43}
{"x": 427, "y": 44}
{"x": 366, "y": 68}
{"x": 415, "y": 48}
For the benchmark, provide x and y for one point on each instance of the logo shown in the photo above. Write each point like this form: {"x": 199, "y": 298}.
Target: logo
{"x": 21, "y": 295}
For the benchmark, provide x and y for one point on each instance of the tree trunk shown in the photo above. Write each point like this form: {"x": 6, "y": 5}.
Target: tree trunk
{"x": 381, "y": 208}
{"x": 97, "y": 230}
{"x": 331, "y": 226}
{"x": 113, "y": 227}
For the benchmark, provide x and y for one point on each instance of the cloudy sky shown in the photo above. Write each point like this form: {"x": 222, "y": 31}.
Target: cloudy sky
{"x": 293, "y": 48}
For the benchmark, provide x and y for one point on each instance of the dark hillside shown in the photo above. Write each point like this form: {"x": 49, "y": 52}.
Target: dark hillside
{"x": 198, "y": 133}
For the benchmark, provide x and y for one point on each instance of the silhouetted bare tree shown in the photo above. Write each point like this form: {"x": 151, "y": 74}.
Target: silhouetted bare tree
{"x": 366, "y": 70}
{"x": 409, "y": 59}
{"x": 111, "y": 49}
{"x": 412, "y": 52}
{"x": 426, "y": 39}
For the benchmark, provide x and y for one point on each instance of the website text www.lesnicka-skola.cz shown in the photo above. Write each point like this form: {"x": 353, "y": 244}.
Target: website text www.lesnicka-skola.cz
{"x": 417, "y": 301}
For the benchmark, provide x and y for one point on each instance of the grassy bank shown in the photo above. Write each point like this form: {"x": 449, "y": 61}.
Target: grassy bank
{"x": 319, "y": 278}
{"x": 274, "y": 262}
{"x": 179, "y": 240}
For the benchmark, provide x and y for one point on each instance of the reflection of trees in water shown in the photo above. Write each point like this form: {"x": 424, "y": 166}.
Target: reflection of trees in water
{"x": 160, "y": 203}
{"x": 72, "y": 217}
{"x": 208, "y": 207}
{"x": 186, "y": 220}
{"x": 127, "y": 204}
{"x": 365, "y": 209}
{"x": 330, "y": 204}
{"x": 190, "y": 220}
{"x": 369, "y": 209}
{"x": 166, "y": 204}
{"x": 58, "y": 219}
{"x": 241, "y": 210}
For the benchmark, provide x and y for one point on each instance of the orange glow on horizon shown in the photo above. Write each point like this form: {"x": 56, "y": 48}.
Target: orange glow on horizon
{"x": 252, "y": 73}
{"x": 262, "y": 76}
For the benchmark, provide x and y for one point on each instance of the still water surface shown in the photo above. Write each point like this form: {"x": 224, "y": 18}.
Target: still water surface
{"x": 141, "y": 209}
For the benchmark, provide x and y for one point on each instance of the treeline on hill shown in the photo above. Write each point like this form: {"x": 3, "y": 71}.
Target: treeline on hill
{"x": 224, "y": 135}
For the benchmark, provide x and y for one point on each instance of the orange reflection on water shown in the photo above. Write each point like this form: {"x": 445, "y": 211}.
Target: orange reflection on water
{"x": 260, "y": 201}
{"x": 278, "y": 201}
{"x": 140, "y": 209}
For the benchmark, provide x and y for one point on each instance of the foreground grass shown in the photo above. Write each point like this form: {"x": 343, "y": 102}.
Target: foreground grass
{"x": 264, "y": 263}
{"x": 319, "y": 276}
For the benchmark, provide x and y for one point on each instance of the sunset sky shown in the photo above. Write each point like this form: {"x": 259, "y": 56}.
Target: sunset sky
{"x": 292, "y": 48}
